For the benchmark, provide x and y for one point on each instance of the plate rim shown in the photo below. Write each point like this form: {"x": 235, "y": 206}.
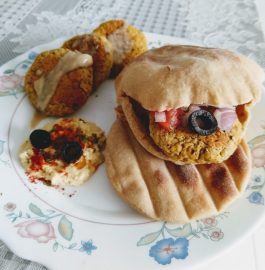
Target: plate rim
{"x": 206, "y": 259}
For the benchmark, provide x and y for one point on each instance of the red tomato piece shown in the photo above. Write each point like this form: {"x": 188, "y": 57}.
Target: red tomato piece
{"x": 173, "y": 119}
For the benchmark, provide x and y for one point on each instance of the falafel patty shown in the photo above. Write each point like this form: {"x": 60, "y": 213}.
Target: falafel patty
{"x": 101, "y": 51}
{"x": 190, "y": 147}
{"x": 127, "y": 41}
{"x": 59, "y": 81}
{"x": 187, "y": 146}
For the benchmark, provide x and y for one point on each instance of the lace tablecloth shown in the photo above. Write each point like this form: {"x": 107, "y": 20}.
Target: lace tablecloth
{"x": 231, "y": 24}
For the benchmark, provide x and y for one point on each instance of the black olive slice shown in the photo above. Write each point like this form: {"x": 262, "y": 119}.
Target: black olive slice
{"x": 40, "y": 138}
{"x": 71, "y": 152}
{"x": 202, "y": 122}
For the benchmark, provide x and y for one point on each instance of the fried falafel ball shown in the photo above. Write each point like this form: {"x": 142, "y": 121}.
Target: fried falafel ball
{"x": 55, "y": 85}
{"x": 127, "y": 42}
{"x": 101, "y": 51}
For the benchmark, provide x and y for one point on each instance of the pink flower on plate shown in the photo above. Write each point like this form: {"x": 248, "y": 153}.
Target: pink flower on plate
{"x": 211, "y": 221}
{"x": 216, "y": 234}
{"x": 37, "y": 230}
{"x": 10, "y": 207}
{"x": 258, "y": 156}
{"x": 10, "y": 81}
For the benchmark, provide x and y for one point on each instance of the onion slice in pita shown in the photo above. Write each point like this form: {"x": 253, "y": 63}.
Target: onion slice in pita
{"x": 225, "y": 118}
{"x": 160, "y": 117}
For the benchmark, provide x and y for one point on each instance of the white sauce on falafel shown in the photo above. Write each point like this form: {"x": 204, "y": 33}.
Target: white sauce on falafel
{"x": 45, "y": 86}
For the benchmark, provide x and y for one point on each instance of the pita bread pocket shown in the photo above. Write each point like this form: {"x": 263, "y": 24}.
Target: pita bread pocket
{"x": 189, "y": 104}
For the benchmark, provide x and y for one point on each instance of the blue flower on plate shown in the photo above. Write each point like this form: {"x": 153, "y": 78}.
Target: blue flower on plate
{"x": 32, "y": 55}
{"x": 256, "y": 197}
{"x": 166, "y": 249}
{"x": 87, "y": 247}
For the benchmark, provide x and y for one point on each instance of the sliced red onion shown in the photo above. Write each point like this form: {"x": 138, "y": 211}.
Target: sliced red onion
{"x": 225, "y": 118}
{"x": 193, "y": 108}
{"x": 225, "y": 109}
{"x": 160, "y": 117}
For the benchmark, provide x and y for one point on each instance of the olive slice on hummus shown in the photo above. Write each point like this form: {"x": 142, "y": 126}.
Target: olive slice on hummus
{"x": 40, "y": 138}
{"x": 71, "y": 152}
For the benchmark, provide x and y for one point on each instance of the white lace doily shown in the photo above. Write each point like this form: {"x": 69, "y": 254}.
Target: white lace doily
{"x": 12, "y": 13}
{"x": 231, "y": 24}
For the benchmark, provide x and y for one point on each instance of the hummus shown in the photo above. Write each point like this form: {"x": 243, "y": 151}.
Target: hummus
{"x": 47, "y": 164}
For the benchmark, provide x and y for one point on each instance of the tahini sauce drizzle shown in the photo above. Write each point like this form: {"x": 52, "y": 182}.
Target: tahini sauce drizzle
{"x": 46, "y": 86}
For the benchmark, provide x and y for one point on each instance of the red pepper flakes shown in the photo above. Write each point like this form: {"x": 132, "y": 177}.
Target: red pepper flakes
{"x": 37, "y": 160}
{"x": 34, "y": 179}
{"x": 61, "y": 133}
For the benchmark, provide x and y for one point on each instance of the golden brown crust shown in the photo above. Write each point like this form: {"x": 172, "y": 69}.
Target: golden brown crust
{"x": 108, "y": 27}
{"x": 183, "y": 146}
{"x": 179, "y": 75}
{"x": 72, "y": 90}
{"x": 101, "y": 51}
{"x": 136, "y": 38}
{"x": 139, "y": 44}
{"x": 168, "y": 192}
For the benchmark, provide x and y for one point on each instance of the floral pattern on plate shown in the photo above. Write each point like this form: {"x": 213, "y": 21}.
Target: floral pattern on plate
{"x": 175, "y": 240}
{"x": 57, "y": 231}
{"x": 40, "y": 226}
{"x": 11, "y": 81}
{"x": 3, "y": 160}
{"x": 257, "y": 146}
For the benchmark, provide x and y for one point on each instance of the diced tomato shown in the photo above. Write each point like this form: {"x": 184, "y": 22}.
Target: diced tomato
{"x": 173, "y": 118}
{"x": 152, "y": 113}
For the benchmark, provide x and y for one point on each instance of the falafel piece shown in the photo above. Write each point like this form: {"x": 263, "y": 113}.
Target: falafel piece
{"x": 72, "y": 90}
{"x": 101, "y": 51}
{"x": 127, "y": 41}
{"x": 189, "y": 147}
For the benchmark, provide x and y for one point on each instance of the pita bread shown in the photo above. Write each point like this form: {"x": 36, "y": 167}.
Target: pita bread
{"x": 179, "y": 75}
{"x": 164, "y": 191}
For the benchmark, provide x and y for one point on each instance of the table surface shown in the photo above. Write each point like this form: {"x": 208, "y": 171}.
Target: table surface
{"x": 177, "y": 18}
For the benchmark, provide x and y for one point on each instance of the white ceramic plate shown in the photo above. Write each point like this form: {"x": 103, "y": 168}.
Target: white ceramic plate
{"x": 91, "y": 226}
